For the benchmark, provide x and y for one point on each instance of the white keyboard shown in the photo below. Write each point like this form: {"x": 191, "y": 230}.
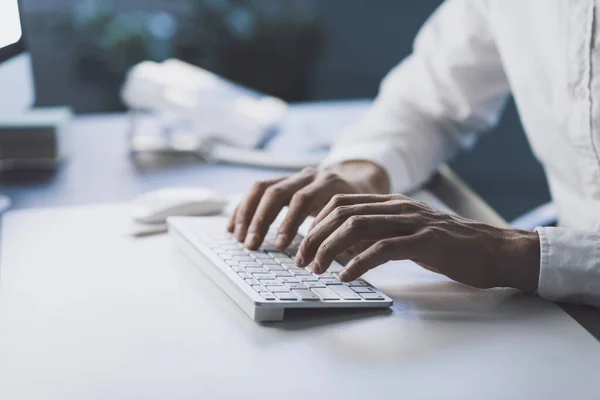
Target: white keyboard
{"x": 266, "y": 282}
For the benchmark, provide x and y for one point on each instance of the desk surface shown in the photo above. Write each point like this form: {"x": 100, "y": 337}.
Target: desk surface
{"x": 90, "y": 313}
{"x": 99, "y": 170}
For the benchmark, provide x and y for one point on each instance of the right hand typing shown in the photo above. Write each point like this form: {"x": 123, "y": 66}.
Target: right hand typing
{"x": 306, "y": 193}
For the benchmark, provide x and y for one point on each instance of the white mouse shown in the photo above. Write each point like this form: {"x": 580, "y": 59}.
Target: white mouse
{"x": 156, "y": 207}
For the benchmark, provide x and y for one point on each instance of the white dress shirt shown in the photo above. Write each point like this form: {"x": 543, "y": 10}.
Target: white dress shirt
{"x": 467, "y": 58}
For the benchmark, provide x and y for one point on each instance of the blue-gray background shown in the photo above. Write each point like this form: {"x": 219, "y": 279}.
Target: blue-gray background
{"x": 358, "y": 42}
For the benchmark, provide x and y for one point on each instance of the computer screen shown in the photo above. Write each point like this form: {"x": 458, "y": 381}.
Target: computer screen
{"x": 11, "y": 34}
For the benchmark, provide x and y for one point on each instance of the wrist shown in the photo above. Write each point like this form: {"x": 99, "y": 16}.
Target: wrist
{"x": 365, "y": 176}
{"x": 521, "y": 260}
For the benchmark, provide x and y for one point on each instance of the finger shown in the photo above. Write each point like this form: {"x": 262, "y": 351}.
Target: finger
{"x": 271, "y": 204}
{"x": 360, "y": 247}
{"x": 302, "y": 204}
{"x": 341, "y": 200}
{"x": 248, "y": 206}
{"x": 231, "y": 222}
{"x": 402, "y": 248}
{"x": 356, "y": 229}
{"x": 337, "y": 217}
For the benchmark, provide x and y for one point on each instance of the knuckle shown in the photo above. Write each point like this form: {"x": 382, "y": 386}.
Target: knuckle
{"x": 384, "y": 245}
{"x": 399, "y": 197}
{"x": 340, "y": 212}
{"x": 260, "y": 186}
{"x": 307, "y": 241}
{"x": 430, "y": 233}
{"x": 355, "y": 222}
{"x": 309, "y": 171}
{"x": 274, "y": 191}
{"x": 328, "y": 175}
{"x": 406, "y": 206}
{"x": 338, "y": 199}
{"x": 333, "y": 178}
{"x": 301, "y": 197}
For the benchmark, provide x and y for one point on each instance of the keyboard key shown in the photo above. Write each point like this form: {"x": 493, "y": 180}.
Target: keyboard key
{"x": 294, "y": 285}
{"x": 256, "y": 270}
{"x": 286, "y": 296}
{"x": 277, "y": 289}
{"x": 297, "y": 271}
{"x": 274, "y": 267}
{"x": 330, "y": 281}
{"x": 281, "y": 273}
{"x": 308, "y": 278}
{"x": 288, "y": 279}
{"x": 284, "y": 260}
{"x": 249, "y": 264}
{"x": 270, "y": 282}
{"x": 232, "y": 262}
{"x": 268, "y": 247}
{"x": 277, "y": 254}
{"x": 305, "y": 295}
{"x": 268, "y": 296}
{"x": 252, "y": 282}
{"x": 244, "y": 258}
{"x": 325, "y": 294}
{"x": 259, "y": 288}
{"x": 363, "y": 289}
{"x": 245, "y": 275}
{"x": 259, "y": 255}
{"x": 344, "y": 292}
{"x": 267, "y": 261}
{"x": 262, "y": 276}
{"x": 372, "y": 296}
{"x": 239, "y": 269}
{"x": 356, "y": 283}
{"x": 314, "y": 284}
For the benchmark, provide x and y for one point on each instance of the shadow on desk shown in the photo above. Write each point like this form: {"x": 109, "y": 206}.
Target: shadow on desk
{"x": 301, "y": 319}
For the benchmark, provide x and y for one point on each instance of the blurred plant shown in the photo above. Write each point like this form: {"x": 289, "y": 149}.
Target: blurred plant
{"x": 269, "y": 45}
{"x": 107, "y": 42}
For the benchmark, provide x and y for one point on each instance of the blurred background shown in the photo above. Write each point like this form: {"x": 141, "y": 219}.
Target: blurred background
{"x": 299, "y": 50}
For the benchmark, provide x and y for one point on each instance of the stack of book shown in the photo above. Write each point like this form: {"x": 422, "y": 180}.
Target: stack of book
{"x": 33, "y": 139}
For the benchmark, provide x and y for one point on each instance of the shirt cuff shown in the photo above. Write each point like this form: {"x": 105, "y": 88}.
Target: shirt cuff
{"x": 381, "y": 154}
{"x": 569, "y": 265}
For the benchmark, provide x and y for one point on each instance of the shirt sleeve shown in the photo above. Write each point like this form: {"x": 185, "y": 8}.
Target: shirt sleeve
{"x": 452, "y": 85}
{"x": 570, "y": 266}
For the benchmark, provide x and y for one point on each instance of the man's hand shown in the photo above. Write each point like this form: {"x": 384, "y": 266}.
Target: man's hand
{"x": 306, "y": 193}
{"x": 395, "y": 227}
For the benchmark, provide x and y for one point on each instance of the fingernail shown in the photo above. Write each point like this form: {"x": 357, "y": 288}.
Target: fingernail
{"x": 239, "y": 232}
{"x": 251, "y": 240}
{"x": 343, "y": 276}
{"x": 316, "y": 268}
{"x": 299, "y": 261}
{"x": 280, "y": 240}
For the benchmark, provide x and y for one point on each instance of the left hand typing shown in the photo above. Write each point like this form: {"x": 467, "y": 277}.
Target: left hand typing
{"x": 395, "y": 227}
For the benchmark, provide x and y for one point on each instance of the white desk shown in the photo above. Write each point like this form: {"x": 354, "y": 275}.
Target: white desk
{"x": 88, "y": 313}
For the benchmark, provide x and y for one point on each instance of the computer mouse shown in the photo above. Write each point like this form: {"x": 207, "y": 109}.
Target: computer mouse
{"x": 155, "y": 207}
